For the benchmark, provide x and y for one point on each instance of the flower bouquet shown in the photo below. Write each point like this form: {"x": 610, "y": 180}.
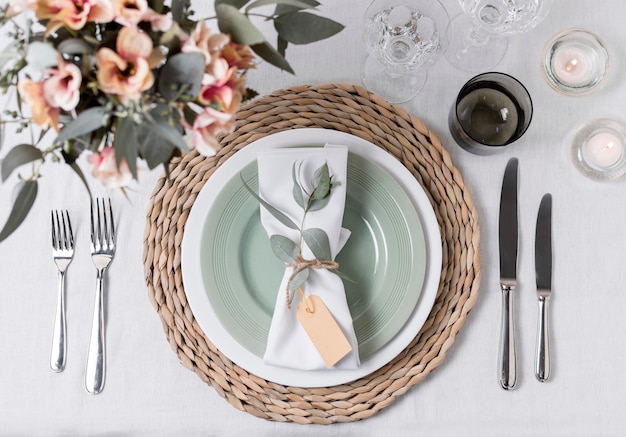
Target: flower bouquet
{"x": 132, "y": 83}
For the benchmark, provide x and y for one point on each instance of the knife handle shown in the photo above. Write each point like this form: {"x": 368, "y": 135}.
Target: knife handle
{"x": 507, "y": 365}
{"x": 542, "y": 354}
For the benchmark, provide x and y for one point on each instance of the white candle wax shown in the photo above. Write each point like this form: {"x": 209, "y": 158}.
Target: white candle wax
{"x": 572, "y": 65}
{"x": 603, "y": 149}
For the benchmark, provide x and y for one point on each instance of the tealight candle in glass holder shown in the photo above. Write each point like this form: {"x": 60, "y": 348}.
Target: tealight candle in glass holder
{"x": 599, "y": 149}
{"x": 575, "y": 62}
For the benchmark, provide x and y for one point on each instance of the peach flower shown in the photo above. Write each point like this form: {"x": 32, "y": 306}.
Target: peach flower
{"x": 126, "y": 73}
{"x": 205, "y": 129}
{"x": 239, "y": 56}
{"x": 59, "y": 91}
{"x": 106, "y": 170}
{"x": 203, "y": 40}
{"x": 73, "y": 13}
{"x": 43, "y": 113}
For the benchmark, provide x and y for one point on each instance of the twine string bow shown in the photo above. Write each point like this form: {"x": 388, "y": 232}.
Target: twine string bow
{"x": 301, "y": 264}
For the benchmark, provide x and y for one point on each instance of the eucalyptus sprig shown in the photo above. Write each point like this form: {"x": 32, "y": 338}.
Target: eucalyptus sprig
{"x": 289, "y": 251}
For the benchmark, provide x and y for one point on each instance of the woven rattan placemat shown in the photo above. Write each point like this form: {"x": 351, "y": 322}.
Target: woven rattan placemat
{"x": 354, "y": 110}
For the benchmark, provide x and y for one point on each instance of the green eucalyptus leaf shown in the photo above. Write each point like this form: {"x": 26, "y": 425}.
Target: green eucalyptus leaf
{"x": 178, "y": 9}
{"x": 297, "y": 4}
{"x": 281, "y": 46}
{"x": 182, "y": 75}
{"x": 317, "y": 240}
{"x": 41, "y": 55}
{"x": 322, "y": 189}
{"x": 237, "y": 25}
{"x": 26, "y": 195}
{"x": 284, "y": 249}
{"x": 299, "y": 279}
{"x": 305, "y": 28}
{"x": 236, "y": 3}
{"x": 271, "y": 55}
{"x": 75, "y": 46}
{"x": 283, "y": 8}
{"x": 278, "y": 215}
{"x": 17, "y": 156}
{"x": 154, "y": 148}
{"x": 297, "y": 189}
{"x": 125, "y": 144}
{"x": 317, "y": 204}
{"x": 163, "y": 129}
{"x": 343, "y": 275}
{"x": 74, "y": 166}
{"x": 87, "y": 121}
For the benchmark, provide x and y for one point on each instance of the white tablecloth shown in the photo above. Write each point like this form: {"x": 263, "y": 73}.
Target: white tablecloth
{"x": 148, "y": 392}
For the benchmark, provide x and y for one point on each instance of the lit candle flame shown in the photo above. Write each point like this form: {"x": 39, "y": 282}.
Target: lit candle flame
{"x": 571, "y": 65}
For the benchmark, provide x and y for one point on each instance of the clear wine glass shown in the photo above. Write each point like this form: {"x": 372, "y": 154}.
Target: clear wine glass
{"x": 478, "y": 36}
{"x": 403, "y": 37}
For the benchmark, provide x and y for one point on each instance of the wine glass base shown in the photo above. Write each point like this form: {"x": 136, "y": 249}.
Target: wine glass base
{"x": 471, "y": 49}
{"x": 394, "y": 89}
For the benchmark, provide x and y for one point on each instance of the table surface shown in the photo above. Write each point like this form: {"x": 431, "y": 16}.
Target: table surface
{"x": 148, "y": 391}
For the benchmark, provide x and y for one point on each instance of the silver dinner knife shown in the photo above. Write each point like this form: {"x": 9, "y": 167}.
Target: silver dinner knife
{"x": 543, "y": 271}
{"x": 508, "y": 237}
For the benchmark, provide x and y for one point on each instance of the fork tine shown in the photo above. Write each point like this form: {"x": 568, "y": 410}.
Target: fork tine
{"x": 93, "y": 229}
{"x": 112, "y": 225}
{"x": 54, "y": 234}
{"x": 63, "y": 233}
{"x": 70, "y": 231}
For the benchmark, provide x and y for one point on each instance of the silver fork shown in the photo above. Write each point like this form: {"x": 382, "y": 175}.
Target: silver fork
{"x": 62, "y": 252}
{"x": 102, "y": 252}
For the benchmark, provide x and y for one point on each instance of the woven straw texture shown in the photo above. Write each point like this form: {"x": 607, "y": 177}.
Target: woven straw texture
{"x": 354, "y": 110}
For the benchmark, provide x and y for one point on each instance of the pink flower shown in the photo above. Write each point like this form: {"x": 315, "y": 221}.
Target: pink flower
{"x": 59, "y": 91}
{"x": 126, "y": 73}
{"x": 207, "y": 126}
{"x": 105, "y": 169}
{"x": 73, "y": 13}
{"x": 62, "y": 88}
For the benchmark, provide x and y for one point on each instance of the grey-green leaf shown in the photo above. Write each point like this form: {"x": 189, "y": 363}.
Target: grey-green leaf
{"x": 271, "y": 55}
{"x": 317, "y": 204}
{"x": 17, "y": 156}
{"x": 236, "y": 3}
{"x": 167, "y": 132}
{"x": 182, "y": 75}
{"x": 237, "y": 25}
{"x": 317, "y": 240}
{"x": 299, "y": 279}
{"x": 283, "y": 8}
{"x": 284, "y": 249}
{"x": 26, "y": 195}
{"x": 297, "y": 189}
{"x": 125, "y": 144}
{"x": 293, "y": 3}
{"x": 278, "y": 215}
{"x": 41, "y": 55}
{"x": 87, "y": 121}
{"x": 305, "y": 28}
{"x": 323, "y": 183}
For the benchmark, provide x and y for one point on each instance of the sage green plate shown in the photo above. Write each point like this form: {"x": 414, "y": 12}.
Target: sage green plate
{"x": 385, "y": 255}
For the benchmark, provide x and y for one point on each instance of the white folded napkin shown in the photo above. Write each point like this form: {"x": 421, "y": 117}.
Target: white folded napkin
{"x": 288, "y": 345}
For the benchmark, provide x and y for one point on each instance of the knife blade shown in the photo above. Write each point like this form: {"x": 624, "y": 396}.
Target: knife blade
{"x": 543, "y": 272}
{"x": 508, "y": 239}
